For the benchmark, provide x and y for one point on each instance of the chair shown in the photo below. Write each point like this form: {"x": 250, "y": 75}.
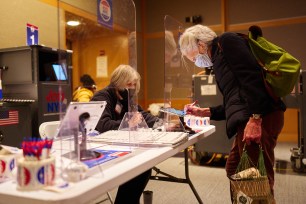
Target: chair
{"x": 49, "y": 130}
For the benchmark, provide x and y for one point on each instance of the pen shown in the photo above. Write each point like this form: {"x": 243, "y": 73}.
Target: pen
{"x": 194, "y": 103}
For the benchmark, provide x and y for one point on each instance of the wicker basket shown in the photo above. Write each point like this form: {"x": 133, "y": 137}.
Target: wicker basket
{"x": 255, "y": 190}
{"x": 252, "y": 187}
{"x": 250, "y": 184}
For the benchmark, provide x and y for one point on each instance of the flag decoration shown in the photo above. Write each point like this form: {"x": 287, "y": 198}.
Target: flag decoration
{"x": 9, "y": 117}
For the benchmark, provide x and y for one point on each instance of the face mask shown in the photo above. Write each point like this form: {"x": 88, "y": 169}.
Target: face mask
{"x": 131, "y": 92}
{"x": 203, "y": 61}
{"x": 128, "y": 94}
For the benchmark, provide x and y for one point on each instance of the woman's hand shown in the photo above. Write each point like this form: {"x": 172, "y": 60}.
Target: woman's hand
{"x": 252, "y": 131}
{"x": 135, "y": 119}
{"x": 197, "y": 111}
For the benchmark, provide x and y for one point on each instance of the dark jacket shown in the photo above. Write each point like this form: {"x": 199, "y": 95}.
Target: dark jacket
{"x": 110, "y": 119}
{"x": 240, "y": 80}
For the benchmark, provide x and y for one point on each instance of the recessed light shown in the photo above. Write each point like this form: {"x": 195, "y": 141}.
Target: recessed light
{"x": 73, "y": 23}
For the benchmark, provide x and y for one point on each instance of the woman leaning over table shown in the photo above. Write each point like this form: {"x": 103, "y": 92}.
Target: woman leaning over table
{"x": 252, "y": 115}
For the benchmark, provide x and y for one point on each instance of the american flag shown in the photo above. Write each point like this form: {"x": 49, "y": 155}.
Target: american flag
{"x": 9, "y": 117}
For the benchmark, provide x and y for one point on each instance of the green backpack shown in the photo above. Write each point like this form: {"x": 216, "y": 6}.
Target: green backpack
{"x": 281, "y": 69}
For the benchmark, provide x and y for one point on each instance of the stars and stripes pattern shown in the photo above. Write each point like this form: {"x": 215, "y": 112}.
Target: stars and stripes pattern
{"x": 9, "y": 117}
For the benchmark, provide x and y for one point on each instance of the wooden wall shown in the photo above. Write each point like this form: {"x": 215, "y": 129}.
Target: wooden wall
{"x": 283, "y": 22}
{"x": 85, "y": 53}
{"x": 15, "y": 15}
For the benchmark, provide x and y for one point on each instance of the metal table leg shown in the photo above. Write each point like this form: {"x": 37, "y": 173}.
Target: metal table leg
{"x": 170, "y": 178}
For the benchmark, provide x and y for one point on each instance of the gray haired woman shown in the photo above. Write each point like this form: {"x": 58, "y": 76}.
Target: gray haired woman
{"x": 252, "y": 115}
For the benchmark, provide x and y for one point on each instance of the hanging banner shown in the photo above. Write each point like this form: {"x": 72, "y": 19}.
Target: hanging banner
{"x": 32, "y": 34}
{"x": 104, "y": 13}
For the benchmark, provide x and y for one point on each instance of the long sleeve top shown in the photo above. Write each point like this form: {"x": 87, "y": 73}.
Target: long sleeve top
{"x": 115, "y": 109}
{"x": 241, "y": 82}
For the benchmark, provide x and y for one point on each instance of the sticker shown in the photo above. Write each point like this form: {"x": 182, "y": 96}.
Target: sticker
{"x": 118, "y": 108}
{"x": 210, "y": 79}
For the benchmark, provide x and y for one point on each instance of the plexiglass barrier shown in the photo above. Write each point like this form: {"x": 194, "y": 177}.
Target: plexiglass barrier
{"x": 178, "y": 76}
{"x": 104, "y": 39}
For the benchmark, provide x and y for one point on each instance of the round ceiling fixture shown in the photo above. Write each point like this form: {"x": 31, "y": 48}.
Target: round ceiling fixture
{"x": 73, "y": 23}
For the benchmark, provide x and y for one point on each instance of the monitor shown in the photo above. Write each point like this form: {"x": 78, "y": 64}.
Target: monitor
{"x": 59, "y": 72}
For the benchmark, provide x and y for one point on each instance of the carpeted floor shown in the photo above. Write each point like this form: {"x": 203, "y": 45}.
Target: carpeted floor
{"x": 212, "y": 184}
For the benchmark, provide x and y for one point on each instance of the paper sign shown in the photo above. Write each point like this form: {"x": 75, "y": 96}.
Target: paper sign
{"x": 208, "y": 90}
{"x": 102, "y": 66}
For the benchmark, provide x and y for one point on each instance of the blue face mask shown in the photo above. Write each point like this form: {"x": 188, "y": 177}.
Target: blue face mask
{"x": 203, "y": 61}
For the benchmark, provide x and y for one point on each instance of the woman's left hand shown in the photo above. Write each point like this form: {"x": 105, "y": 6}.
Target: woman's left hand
{"x": 135, "y": 119}
{"x": 252, "y": 131}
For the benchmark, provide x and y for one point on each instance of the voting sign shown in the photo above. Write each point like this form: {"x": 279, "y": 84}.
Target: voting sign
{"x": 104, "y": 13}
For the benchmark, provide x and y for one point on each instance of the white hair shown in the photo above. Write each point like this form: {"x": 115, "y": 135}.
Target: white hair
{"x": 189, "y": 39}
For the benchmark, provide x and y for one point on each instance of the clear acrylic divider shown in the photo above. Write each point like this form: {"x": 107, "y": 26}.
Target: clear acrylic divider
{"x": 178, "y": 77}
{"x": 79, "y": 121}
{"x": 104, "y": 20}
{"x": 133, "y": 122}
{"x": 179, "y": 74}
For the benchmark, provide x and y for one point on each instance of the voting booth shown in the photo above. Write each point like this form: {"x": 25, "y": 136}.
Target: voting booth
{"x": 39, "y": 76}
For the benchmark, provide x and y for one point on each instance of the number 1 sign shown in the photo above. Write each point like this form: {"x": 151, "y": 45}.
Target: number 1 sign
{"x": 32, "y": 34}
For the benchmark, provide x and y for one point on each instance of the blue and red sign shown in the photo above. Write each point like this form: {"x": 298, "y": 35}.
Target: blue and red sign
{"x": 32, "y": 34}
{"x": 56, "y": 100}
{"x": 105, "y": 13}
{"x": 105, "y": 155}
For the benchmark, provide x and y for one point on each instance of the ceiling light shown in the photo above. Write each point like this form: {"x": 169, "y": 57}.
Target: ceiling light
{"x": 73, "y": 23}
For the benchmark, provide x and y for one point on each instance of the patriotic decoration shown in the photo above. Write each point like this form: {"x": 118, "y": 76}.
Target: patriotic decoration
{"x": 104, "y": 13}
{"x": 36, "y": 168}
{"x": 105, "y": 155}
{"x": 9, "y": 117}
{"x": 7, "y": 164}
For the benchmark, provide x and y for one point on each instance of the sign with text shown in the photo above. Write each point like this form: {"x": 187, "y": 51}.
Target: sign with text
{"x": 32, "y": 34}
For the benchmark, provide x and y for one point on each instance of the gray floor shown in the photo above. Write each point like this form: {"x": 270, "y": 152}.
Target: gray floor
{"x": 213, "y": 186}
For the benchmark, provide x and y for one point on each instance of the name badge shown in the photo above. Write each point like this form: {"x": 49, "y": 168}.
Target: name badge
{"x": 118, "y": 108}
